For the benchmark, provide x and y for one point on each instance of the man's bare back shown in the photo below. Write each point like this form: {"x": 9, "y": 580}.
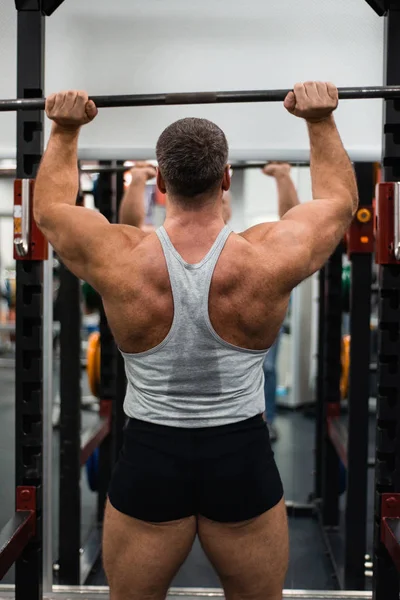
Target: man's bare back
{"x": 248, "y": 299}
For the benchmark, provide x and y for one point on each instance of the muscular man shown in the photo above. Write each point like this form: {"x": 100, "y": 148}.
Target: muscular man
{"x": 133, "y": 211}
{"x": 194, "y": 308}
{"x": 287, "y": 199}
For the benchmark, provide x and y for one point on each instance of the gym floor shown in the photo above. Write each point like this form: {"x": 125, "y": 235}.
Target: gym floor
{"x": 309, "y": 568}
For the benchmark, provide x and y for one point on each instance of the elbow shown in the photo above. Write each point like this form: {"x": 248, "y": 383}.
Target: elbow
{"x": 38, "y": 217}
{"x": 355, "y": 200}
{"x": 42, "y": 218}
{"x": 350, "y": 200}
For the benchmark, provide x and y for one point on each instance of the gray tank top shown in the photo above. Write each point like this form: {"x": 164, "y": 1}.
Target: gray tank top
{"x": 193, "y": 378}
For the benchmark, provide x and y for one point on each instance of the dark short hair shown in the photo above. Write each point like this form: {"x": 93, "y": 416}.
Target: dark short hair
{"x": 192, "y": 155}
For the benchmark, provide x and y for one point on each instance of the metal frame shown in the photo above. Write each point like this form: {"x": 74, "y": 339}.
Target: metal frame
{"x": 390, "y": 526}
{"x": 320, "y": 409}
{"x": 182, "y": 98}
{"x": 121, "y": 168}
{"x": 97, "y": 592}
{"x": 338, "y": 442}
{"x": 118, "y": 416}
{"x": 331, "y": 387}
{"x": 19, "y": 530}
{"x": 107, "y": 204}
{"x": 29, "y": 308}
{"x": 359, "y": 389}
{"x": 301, "y": 325}
{"x": 69, "y": 521}
{"x": 378, "y": 6}
{"x": 48, "y": 398}
{"x": 334, "y": 440}
{"x": 387, "y": 471}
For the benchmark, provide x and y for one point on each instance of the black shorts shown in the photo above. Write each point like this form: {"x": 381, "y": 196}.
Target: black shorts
{"x": 226, "y": 474}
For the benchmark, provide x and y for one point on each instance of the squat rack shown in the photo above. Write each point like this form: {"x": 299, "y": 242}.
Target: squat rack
{"x": 33, "y": 451}
{"x": 339, "y": 447}
{"x": 332, "y": 438}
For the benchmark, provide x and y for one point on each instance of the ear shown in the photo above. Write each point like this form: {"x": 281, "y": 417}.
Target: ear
{"x": 226, "y": 181}
{"x": 160, "y": 182}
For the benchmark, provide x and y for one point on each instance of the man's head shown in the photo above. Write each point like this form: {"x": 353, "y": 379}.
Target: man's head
{"x": 192, "y": 157}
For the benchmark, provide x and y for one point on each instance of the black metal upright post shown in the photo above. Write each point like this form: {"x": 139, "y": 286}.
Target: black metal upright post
{"x": 359, "y": 381}
{"x": 387, "y": 474}
{"x": 70, "y": 429}
{"x": 107, "y": 202}
{"x": 118, "y": 405}
{"x": 320, "y": 411}
{"x": 332, "y": 372}
{"x": 29, "y": 307}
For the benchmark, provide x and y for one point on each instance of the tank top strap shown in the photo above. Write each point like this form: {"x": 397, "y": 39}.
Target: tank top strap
{"x": 168, "y": 250}
{"x": 218, "y": 247}
{"x": 185, "y": 277}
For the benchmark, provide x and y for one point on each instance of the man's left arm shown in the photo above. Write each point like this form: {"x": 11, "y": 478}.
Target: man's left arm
{"x": 77, "y": 234}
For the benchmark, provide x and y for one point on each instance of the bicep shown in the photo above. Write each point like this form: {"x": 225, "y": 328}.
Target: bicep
{"x": 302, "y": 241}
{"x": 319, "y": 226}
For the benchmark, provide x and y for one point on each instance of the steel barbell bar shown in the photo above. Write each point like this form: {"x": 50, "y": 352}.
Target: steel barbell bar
{"x": 89, "y": 170}
{"x": 349, "y": 93}
{"x": 242, "y": 166}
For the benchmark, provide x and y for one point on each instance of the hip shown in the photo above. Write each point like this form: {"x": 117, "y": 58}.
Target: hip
{"x": 224, "y": 473}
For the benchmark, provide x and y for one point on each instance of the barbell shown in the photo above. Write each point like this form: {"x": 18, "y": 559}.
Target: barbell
{"x": 240, "y": 166}
{"x": 349, "y": 93}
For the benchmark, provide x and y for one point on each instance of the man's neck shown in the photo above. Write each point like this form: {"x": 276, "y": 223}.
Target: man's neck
{"x": 208, "y": 215}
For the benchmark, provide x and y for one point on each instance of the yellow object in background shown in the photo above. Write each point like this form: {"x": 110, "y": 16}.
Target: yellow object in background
{"x": 93, "y": 363}
{"x": 345, "y": 360}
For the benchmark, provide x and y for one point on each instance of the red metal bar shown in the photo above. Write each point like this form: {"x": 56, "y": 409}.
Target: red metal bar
{"x": 338, "y": 435}
{"x": 385, "y": 196}
{"x": 106, "y": 409}
{"x": 38, "y": 246}
{"x": 333, "y": 409}
{"x": 390, "y": 530}
{"x": 360, "y": 237}
{"x": 16, "y": 534}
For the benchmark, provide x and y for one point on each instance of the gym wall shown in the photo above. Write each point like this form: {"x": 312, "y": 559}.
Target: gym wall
{"x": 8, "y": 79}
{"x": 130, "y": 46}
{"x": 260, "y": 194}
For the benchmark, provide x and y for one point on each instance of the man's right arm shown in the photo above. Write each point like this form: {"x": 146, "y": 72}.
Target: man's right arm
{"x": 309, "y": 233}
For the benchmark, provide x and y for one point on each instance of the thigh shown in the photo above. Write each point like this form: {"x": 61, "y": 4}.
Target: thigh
{"x": 140, "y": 559}
{"x": 251, "y": 557}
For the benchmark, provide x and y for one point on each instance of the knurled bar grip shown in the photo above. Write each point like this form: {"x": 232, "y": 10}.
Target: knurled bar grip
{"x": 354, "y": 93}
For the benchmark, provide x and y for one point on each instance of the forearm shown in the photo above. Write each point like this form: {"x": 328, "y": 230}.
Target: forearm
{"x": 287, "y": 194}
{"x": 132, "y": 208}
{"x": 57, "y": 181}
{"x": 332, "y": 173}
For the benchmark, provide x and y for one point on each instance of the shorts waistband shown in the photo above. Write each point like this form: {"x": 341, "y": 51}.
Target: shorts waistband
{"x": 139, "y": 425}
